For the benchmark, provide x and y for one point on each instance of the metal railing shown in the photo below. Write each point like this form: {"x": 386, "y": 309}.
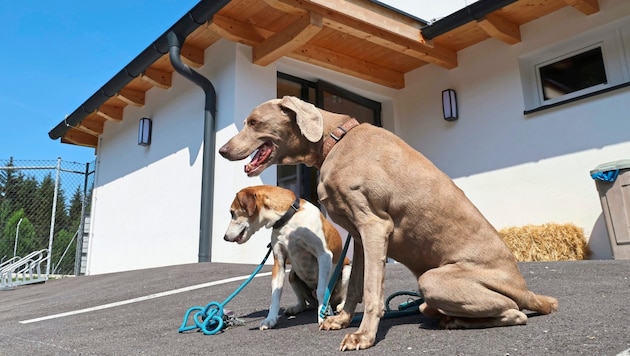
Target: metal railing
{"x": 26, "y": 270}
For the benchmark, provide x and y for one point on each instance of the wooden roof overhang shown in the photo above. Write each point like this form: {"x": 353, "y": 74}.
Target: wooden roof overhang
{"x": 360, "y": 38}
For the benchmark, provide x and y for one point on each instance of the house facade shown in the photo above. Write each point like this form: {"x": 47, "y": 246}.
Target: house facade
{"x": 531, "y": 124}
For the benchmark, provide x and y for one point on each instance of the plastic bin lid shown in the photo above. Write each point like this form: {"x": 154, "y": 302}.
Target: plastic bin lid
{"x": 612, "y": 166}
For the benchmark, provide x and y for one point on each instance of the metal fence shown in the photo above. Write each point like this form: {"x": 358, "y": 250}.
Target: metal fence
{"x": 44, "y": 206}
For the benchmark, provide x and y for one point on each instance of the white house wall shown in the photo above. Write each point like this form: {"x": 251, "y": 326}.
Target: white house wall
{"x": 520, "y": 169}
{"x": 142, "y": 211}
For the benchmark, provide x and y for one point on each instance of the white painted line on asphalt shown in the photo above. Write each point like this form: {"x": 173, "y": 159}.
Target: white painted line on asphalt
{"x": 141, "y": 299}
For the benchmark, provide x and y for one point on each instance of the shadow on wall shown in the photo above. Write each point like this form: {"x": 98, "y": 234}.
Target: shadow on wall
{"x": 599, "y": 242}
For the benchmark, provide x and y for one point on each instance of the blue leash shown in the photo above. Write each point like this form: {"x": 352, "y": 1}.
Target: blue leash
{"x": 408, "y": 307}
{"x": 209, "y": 319}
{"x": 326, "y": 310}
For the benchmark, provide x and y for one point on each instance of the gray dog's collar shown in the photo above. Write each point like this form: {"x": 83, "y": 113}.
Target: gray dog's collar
{"x": 336, "y": 135}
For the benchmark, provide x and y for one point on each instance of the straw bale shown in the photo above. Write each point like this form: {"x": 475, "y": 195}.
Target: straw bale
{"x": 547, "y": 242}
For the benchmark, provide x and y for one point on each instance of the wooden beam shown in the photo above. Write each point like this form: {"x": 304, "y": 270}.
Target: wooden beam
{"x": 78, "y": 137}
{"x": 112, "y": 113}
{"x": 349, "y": 65}
{"x": 363, "y": 14}
{"x": 93, "y": 124}
{"x": 287, "y": 40}
{"x": 501, "y": 28}
{"x": 440, "y": 56}
{"x": 159, "y": 78}
{"x": 365, "y": 23}
{"x": 284, "y": 7}
{"x": 192, "y": 56}
{"x": 131, "y": 96}
{"x": 237, "y": 31}
{"x": 587, "y": 7}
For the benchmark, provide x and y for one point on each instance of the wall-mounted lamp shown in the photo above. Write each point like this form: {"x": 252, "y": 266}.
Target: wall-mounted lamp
{"x": 449, "y": 105}
{"x": 144, "y": 132}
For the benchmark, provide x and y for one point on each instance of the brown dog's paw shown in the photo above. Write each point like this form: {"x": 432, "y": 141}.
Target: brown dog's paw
{"x": 356, "y": 341}
{"x": 335, "y": 322}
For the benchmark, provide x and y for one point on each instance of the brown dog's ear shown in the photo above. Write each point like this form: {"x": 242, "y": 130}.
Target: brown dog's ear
{"x": 247, "y": 200}
{"x": 308, "y": 118}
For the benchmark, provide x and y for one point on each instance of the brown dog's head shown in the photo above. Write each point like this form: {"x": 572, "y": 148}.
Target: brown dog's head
{"x": 279, "y": 131}
{"x": 244, "y": 222}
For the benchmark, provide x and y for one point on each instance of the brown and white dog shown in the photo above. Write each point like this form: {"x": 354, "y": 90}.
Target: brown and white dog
{"x": 395, "y": 203}
{"x": 301, "y": 236}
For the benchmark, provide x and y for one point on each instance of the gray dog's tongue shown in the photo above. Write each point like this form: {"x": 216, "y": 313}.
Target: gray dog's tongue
{"x": 261, "y": 155}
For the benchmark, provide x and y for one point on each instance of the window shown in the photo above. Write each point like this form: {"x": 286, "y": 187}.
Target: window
{"x": 300, "y": 179}
{"x": 568, "y": 75}
{"x": 584, "y": 66}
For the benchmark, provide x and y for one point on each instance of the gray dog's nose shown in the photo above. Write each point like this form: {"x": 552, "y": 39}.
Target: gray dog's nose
{"x": 223, "y": 151}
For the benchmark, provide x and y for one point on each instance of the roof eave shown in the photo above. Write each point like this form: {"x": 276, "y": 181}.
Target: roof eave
{"x": 197, "y": 16}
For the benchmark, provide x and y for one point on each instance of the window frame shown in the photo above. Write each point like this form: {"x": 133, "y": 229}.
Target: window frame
{"x": 614, "y": 41}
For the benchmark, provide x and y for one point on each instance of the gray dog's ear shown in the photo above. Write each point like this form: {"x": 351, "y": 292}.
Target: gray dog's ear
{"x": 308, "y": 118}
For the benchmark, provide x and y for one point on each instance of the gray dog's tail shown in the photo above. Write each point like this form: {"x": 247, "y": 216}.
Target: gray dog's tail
{"x": 540, "y": 303}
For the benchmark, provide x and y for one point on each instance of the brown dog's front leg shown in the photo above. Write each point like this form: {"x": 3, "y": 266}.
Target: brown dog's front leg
{"x": 354, "y": 294}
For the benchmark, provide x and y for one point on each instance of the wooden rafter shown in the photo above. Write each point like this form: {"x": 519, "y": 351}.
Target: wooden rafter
{"x": 501, "y": 28}
{"x": 238, "y": 31}
{"x": 93, "y": 124}
{"x": 375, "y": 27}
{"x": 192, "y": 56}
{"x": 284, "y": 7}
{"x": 78, "y": 137}
{"x": 131, "y": 96}
{"x": 440, "y": 56}
{"x": 109, "y": 112}
{"x": 587, "y": 7}
{"x": 159, "y": 78}
{"x": 350, "y": 65}
{"x": 288, "y": 40}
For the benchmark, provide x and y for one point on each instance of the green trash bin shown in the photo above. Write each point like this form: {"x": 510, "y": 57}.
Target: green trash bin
{"x": 613, "y": 185}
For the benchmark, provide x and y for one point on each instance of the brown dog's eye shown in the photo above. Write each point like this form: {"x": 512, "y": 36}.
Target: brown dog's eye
{"x": 252, "y": 122}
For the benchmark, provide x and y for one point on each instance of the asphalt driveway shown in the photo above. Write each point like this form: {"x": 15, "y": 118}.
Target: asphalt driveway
{"x": 139, "y": 312}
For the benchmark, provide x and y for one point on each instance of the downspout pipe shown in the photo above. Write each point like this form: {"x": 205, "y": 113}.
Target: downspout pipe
{"x": 209, "y": 130}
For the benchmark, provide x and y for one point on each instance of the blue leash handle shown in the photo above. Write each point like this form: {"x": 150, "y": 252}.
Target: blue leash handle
{"x": 210, "y": 319}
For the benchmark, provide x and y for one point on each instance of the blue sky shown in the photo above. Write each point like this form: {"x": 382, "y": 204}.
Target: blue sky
{"x": 56, "y": 54}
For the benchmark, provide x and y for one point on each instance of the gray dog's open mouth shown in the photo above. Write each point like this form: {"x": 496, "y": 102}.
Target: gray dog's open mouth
{"x": 261, "y": 157}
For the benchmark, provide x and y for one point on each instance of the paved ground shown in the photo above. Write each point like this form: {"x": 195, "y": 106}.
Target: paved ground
{"x": 139, "y": 312}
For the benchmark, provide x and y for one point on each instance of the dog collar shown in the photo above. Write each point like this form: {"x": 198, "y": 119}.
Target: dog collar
{"x": 336, "y": 135}
{"x": 295, "y": 206}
